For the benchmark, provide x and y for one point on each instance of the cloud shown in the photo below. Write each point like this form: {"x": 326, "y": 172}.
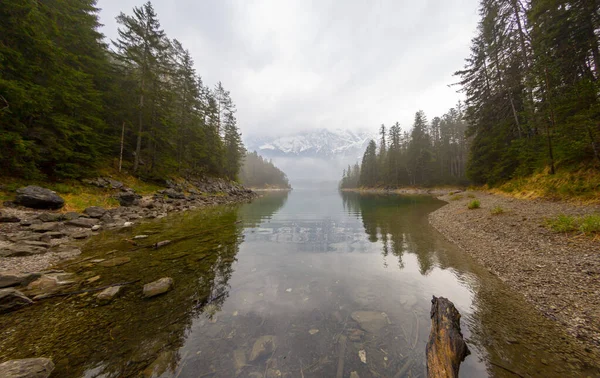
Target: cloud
{"x": 298, "y": 64}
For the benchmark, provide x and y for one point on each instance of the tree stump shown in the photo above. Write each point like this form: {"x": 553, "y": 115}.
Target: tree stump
{"x": 446, "y": 348}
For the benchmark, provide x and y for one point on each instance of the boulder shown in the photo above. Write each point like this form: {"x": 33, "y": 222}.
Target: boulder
{"x": 12, "y": 300}
{"x": 263, "y": 346}
{"x": 8, "y": 218}
{"x": 108, "y": 294}
{"x": 27, "y": 368}
{"x": 128, "y": 198}
{"x": 38, "y": 198}
{"x": 82, "y": 222}
{"x": 12, "y": 278}
{"x": 158, "y": 287}
{"x": 370, "y": 321}
{"x": 94, "y": 212}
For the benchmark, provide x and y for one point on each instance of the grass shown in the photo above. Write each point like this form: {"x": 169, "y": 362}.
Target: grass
{"x": 456, "y": 197}
{"x": 475, "y": 204}
{"x": 497, "y": 210}
{"x": 581, "y": 185}
{"x": 587, "y": 225}
{"x": 471, "y": 195}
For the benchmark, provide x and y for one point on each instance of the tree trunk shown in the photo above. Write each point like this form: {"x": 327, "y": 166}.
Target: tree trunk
{"x": 446, "y": 348}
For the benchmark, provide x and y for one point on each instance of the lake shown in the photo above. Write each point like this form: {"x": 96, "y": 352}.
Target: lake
{"x": 302, "y": 284}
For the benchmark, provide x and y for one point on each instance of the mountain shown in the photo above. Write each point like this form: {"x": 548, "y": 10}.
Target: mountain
{"x": 320, "y": 143}
{"x": 312, "y": 155}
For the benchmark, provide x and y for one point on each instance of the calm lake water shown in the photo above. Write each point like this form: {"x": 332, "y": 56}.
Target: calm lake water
{"x": 299, "y": 284}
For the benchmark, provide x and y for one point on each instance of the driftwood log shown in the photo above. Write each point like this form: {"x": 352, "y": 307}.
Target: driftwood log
{"x": 446, "y": 348}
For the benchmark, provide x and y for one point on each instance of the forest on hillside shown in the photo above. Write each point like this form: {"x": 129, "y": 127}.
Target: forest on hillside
{"x": 532, "y": 87}
{"x": 71, "y": 103}
{"x": 258, "y": 172}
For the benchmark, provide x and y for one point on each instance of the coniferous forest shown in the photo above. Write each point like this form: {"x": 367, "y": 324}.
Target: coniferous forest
{"x": 258, "y": 172}
{"x": 532, "y": 87}
{"x": 70, "y": 102}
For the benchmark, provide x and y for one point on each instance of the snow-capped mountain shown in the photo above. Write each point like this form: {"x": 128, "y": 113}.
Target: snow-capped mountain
{"x": 313, "y": 155}
{"x": 320, "y": 143}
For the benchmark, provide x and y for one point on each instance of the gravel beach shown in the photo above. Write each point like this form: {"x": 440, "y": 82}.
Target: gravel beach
{"x": 558, "y": 273}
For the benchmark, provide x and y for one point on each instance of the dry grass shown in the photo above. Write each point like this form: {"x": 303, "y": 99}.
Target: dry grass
{"x": 582, "y": 186}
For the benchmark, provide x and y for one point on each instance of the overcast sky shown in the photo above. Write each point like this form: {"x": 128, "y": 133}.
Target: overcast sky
{"x": 298, "y": 64}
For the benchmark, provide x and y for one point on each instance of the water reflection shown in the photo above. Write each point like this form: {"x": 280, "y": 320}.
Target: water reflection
{"x": 301, "y": 284}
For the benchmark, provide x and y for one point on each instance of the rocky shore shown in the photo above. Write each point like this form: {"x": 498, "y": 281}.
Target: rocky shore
{"x": 558, "y": 273}
{"x": 409, "y": 191}
{"x": 33, "y": 239}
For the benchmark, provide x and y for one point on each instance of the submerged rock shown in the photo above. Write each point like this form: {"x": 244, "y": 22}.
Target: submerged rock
{"x": 49, "y": 283}
{"x": 370, "y": 321}
{"x": 158, "y": 287}
{"x": 161, "y": 244}
{"x": 38, "y": 198}
{"x": 262, "y": 347}
{"x": 27, "y": 368}
{"x": 12, "y": 300}
{"x": 108, "y": 294}
{"x": 115, "y": 262}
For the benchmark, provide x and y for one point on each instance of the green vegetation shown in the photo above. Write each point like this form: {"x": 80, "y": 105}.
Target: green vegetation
{"x": 432, "y": 153}
{"x": 497, "y": 210}
{"x": 475, "y": 204}
{"x": 68, "y": 101}
{"x": 587, "y": 225}
{"x": 456, "y": 197}
{"x": 260, "y": 173}
{"x": 531, "y": 116}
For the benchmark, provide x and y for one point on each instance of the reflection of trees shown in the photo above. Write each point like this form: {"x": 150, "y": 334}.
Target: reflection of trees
{"x": 123, "y": 337}
{"x": 398, "y": 222}
{"x": 262, "y": 207}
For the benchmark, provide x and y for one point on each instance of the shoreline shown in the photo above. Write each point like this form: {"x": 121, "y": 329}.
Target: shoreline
{"x": 559, "y": 274}
{"x": 417, "y": 191}
{"x": 35, "y": 240}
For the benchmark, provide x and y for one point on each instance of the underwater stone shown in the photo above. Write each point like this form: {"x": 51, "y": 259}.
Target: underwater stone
{"x": 262, "y": 347}
{"x": 158, "y": 287}
{"x": 11, "y": 300}
{"x": 27, "y": 368}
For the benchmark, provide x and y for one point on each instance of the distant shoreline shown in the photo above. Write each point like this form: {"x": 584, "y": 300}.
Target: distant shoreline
{"x": 271, "y": 189}
{"x": 425, "y": 191}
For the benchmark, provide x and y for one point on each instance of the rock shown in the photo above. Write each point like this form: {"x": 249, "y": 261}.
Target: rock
{"x": 82, "y": 222}
{"x": 174, "y": 194}
{"x": 50, "y": 217}
{"x": 11, "y": 278}
{"x": 71, "y": 215}
{"x": 128, "y": 198}
{"x": 44, "y": 227}
{"x": 12, "y": 300}
{"x": 140, "y": 237}
{"x": 19, "y": 250}
{"x": 127, "y": 224}
{"x": 239, "y": 360}
{"x": 370, "y": 321}
{"x": 313, "y": 331}
{"x": 106, "y": 218}
{"x": 8, "y": 218}
{"x": 356, "y": 335}
{"x": 161, "y": 244}
{"x": 263, "y": 346}
{"x": 96, "y": 227}
{"x": 354, "y": 375}
{"x": 105, "y": 182}
{"x": 38, "y": 198}
{"x": 108, "y": 294}
{"x": 362, "y": 354}
{"x": 49, "y": 283}
{"x": 27, "y": 368}
{"x": 158, "y": 287}
{"x": 36, "y": 243}
{"x": 115, "y": 262}
{"x": 54, "y": 234}
{"x": 160, "y": 365}
{"x": 94, "y": 212}
{"x": 80, "y": 235}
